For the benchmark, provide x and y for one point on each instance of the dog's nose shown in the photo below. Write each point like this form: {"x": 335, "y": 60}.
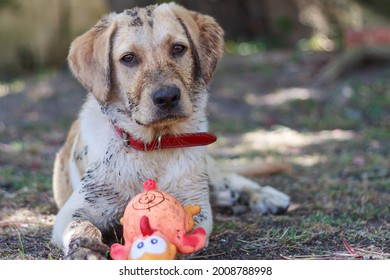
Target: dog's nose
{"x": 167, "y": 97}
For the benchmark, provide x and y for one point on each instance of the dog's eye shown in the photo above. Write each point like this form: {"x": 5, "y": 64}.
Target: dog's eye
{"x": 178, "y": 49}
{"x": 130, "y": 59}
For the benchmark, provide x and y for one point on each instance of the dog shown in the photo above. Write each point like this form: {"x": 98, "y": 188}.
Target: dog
{"x": 147, "y": 71}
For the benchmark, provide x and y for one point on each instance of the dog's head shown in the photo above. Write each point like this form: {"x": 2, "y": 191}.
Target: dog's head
{"x": 153, "y": 63}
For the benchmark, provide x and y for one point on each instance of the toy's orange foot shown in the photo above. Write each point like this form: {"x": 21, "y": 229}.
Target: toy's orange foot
{"x": 193, "y": 241}
{"x": 119, "y": 252}
{"x": 192, "y": 209}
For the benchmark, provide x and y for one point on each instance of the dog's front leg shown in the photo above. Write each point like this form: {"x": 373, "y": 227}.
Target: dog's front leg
{"x": 85, "y": 242}
{"x": 239, "y": 193}
{"x": 205, "y": 218}
{"x": 200, "y": 195}
{"x": 74, "y": 232}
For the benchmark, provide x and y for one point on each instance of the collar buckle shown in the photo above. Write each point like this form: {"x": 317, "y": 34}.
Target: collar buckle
{"x": 125, "y": 139}
{"x": 159, "y": 142}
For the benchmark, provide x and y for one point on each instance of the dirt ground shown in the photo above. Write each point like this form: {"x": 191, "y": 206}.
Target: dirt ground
{"x": 263, "y": 107}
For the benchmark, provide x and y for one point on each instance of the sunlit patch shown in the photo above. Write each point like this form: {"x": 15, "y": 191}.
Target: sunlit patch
{"x": 281, "y": 140}
{"x": 309, "y": 160}
{"x": 25, "y": 218}
{"x": 317, "y": 42}
{"x": 281, "y": 96}
{"x": 285, "y": 138}
{"x": 11, "y": 88}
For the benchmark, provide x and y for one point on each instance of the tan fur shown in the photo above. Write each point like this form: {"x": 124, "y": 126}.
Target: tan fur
{"x": 89, "y": 57}
{"x": 62, "y": 188}
{"x": 260, "y": 169}
{"x": 95, "y": 175}
{"x": 210, "y": 43}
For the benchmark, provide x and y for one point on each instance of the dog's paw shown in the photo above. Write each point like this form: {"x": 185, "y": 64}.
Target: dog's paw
{"x": 85, "y": 254}
{"x": 269, "y": 200}
{"x": 87, "y": 249}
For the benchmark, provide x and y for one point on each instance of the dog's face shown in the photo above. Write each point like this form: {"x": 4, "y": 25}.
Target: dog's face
{"x": 153, "y": 63}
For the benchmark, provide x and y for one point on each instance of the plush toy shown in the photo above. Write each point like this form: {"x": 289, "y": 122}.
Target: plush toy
{"x": 156, "y": 226}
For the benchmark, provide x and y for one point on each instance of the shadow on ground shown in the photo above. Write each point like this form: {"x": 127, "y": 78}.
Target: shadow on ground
{"x": 263, "y": 107}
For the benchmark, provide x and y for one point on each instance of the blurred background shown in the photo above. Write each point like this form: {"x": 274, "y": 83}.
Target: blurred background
{"x": 305, "y": 82}
{"x": 36, "y": 34}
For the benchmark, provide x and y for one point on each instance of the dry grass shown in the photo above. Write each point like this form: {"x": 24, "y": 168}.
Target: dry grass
{"x": 336, "y": 140}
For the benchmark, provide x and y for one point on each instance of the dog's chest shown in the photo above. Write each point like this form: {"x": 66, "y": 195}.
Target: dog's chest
{"x": 109, "y": 184}
{"x": 125, "y": 170}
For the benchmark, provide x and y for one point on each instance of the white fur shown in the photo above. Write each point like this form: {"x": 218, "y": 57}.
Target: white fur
{"x": 177, "y": 171}
{"x": 74, "y": 174}
{"x": 111, "y": 173}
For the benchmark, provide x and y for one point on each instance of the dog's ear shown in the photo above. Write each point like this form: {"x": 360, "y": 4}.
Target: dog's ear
{"x": 207, "y": 36}
{"x": 211, "y": 44}
{"x": 90, "y": 57}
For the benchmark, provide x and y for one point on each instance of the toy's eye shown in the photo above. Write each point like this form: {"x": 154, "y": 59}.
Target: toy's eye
{"x": 140, "y": 245}
{"x": 155, "y": 245}
{"x": 137, "y": 249}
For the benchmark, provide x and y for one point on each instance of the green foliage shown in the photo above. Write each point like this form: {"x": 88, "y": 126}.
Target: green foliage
{"x": 221, "y": 226}
{"x": 14, "y": 178}
{"x": 246, "y": 47}
{"x": 21, "y": 247}
{"x": 284, "y": 24}
{"x": 12, "y": 4}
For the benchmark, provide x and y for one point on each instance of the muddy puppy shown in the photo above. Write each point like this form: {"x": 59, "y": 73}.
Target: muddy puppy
{"x": 147, "y": 71}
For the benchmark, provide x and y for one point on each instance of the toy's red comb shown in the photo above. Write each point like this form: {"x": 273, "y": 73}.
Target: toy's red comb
{"x": 146, "y": 230}
{"x": 150, "y": 185}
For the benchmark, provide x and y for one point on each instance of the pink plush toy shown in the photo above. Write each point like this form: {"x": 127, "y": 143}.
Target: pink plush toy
{"x": 156, "y": 226}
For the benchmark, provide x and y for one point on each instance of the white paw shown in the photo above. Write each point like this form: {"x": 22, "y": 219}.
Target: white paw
{"x": 226, "y": 198}
{"x": 269, "y": 200}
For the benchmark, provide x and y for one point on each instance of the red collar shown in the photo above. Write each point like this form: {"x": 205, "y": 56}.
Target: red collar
{"x": 167, "y": 141}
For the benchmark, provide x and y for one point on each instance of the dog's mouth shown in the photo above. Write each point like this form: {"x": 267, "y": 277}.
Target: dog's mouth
{"x": 163, "y": 121}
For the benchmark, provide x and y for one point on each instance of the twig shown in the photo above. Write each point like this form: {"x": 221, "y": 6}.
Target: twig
{"x": 255, "y": 242}
{"x": 351, "y": 250}
{"x": 207, "y": 256}
{"x": 284, "y": 233}
{"x": 285, "y": 257}
{"x": 245, "y": 250}
{"x": 312, "y": 257}
{"x": 374, "y": 253}
{"x": 344, "y": 255}
{"x": 21, "y": 247}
